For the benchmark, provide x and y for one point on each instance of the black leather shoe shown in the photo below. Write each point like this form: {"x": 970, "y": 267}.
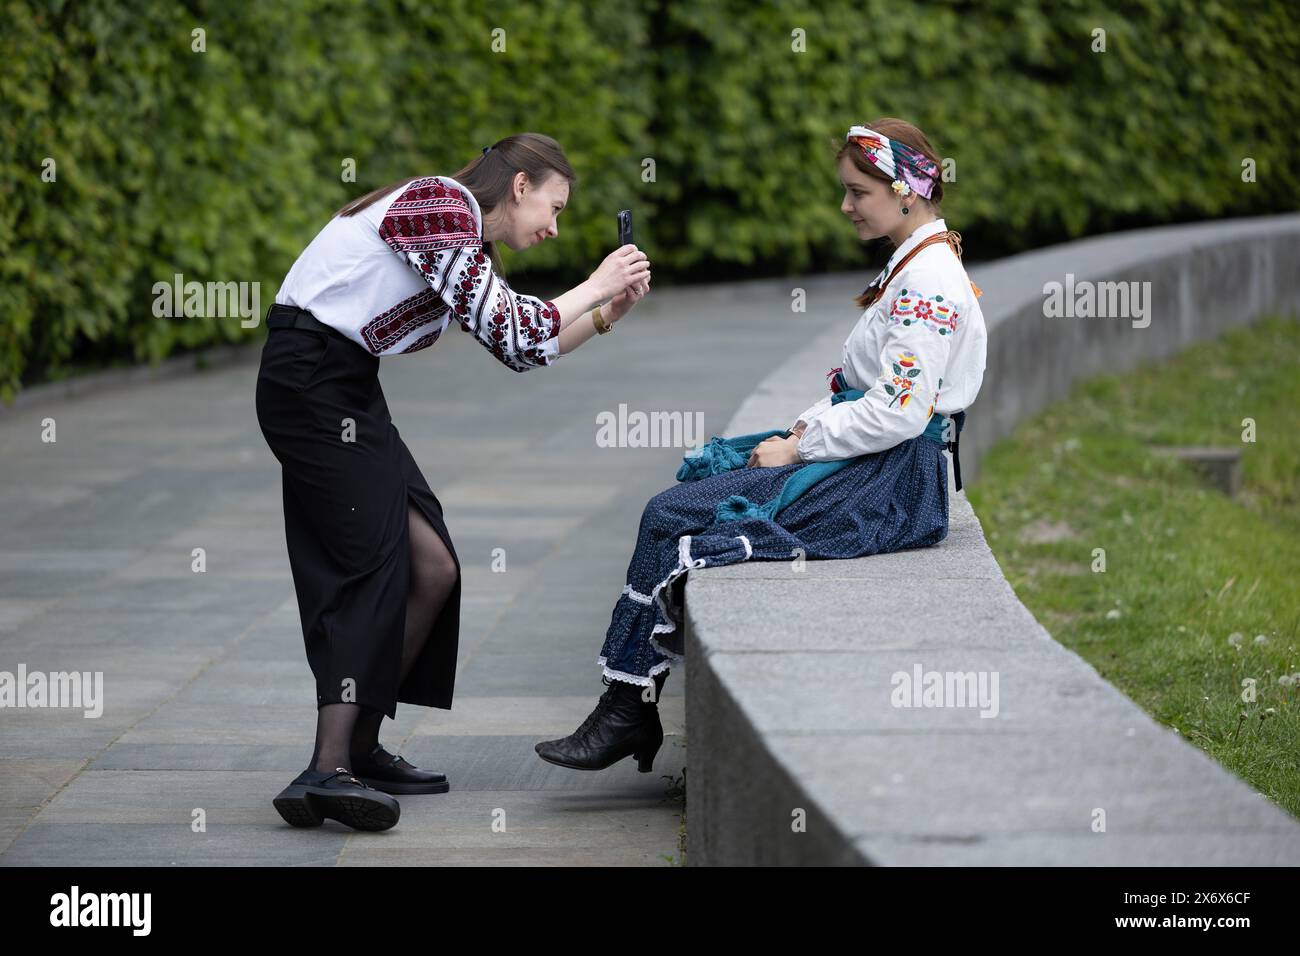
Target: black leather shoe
{"x": 318, "y": 795}
{"x": 386, "y": 773}
{"x": 622, "y": 725}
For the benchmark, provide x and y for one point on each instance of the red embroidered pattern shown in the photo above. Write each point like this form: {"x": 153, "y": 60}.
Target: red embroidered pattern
{"x": 932, "y": 312}
{"x": 428, "y": 216}
{"x": 433, "y": 225}
{"x": 388, "y": 328}
{"x": 424, "y": 341}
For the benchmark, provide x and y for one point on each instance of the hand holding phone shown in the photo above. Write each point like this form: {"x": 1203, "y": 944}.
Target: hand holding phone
{"x": 625, "y": 237}
{"x": 625, "y": 270}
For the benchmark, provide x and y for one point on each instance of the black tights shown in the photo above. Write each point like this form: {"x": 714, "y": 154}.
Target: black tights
{"x": 347, "y": 733}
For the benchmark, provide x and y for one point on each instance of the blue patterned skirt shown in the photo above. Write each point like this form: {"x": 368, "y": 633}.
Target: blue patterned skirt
{"x": 888, "y": 501}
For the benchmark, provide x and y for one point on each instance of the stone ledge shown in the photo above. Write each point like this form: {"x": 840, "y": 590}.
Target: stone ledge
{"x": 790, "y": 713}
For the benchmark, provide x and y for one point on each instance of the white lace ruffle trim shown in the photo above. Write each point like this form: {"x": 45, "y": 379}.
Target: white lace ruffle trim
{"x": 636, "y": 595}
{"x": 656, "y": 596}
{"x": 633, "y": 678}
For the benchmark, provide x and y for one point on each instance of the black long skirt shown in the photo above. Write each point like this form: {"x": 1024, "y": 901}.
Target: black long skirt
{"x": 347, "y": 476}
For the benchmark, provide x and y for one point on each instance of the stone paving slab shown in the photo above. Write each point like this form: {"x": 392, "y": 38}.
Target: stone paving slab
{"x": 208, "y": 697}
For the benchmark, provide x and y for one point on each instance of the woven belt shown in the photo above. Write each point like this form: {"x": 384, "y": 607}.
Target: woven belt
{"x": 934, "y": 432}
{"x": 960, "y": 418}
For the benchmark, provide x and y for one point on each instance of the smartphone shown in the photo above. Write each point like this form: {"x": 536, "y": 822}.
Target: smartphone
{"x": 624, "y": 227}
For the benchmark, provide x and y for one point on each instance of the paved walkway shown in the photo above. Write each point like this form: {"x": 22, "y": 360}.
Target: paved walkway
{"x": 208, "y": 700}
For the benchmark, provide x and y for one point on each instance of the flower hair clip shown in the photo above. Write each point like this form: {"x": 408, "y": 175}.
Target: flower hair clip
{"x": 901, "y": 187}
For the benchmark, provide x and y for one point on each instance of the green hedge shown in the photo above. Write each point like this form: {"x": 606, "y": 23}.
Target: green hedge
{"x": 221, "y": 165}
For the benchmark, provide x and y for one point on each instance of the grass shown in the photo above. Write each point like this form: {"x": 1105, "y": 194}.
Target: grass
{"x": 675, "y": 791}
{"x": 1199, "y": 593}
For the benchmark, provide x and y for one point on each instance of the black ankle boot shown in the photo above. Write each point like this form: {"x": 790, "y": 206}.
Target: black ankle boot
{"x": 623, "y": 724}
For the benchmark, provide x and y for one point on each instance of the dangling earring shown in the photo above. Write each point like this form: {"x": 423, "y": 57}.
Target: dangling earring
{"x": 906, "y": 211}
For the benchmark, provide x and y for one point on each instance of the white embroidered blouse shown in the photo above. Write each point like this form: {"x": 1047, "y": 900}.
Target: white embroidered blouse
{"x": 918, "y": 349}
{"x": 393, "y": 276}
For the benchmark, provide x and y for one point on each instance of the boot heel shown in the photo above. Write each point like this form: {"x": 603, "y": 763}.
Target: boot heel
{"x": 645, "y": 757}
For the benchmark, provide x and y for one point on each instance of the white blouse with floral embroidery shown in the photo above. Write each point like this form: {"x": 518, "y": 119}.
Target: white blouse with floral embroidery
{"x": 918, "y": 349}
{"x": 394, "y": 275}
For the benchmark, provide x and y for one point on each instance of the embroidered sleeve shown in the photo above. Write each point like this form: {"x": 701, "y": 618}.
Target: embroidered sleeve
{"x": 433, "y": 227}
{"x": 898, "y": 405}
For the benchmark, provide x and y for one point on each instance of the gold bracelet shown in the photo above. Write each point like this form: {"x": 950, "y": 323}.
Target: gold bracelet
{"x": 599, "y": 322}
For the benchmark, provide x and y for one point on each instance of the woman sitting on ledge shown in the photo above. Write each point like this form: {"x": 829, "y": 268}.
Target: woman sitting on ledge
{"x": 861, "y": 471}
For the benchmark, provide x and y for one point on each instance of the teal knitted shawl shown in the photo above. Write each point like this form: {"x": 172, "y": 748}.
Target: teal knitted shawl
{"x": 728, "y": 454}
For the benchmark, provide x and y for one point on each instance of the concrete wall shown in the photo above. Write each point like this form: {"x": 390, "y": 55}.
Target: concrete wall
{"x": 789, "y": 676}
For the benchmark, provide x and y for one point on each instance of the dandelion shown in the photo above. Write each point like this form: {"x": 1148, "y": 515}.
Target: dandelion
{"x": 1112, "y": 614}
{"x": 1261, "y": 639}
{"x": 1240, "y": 720}
{"x": 1235, "y": 639}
